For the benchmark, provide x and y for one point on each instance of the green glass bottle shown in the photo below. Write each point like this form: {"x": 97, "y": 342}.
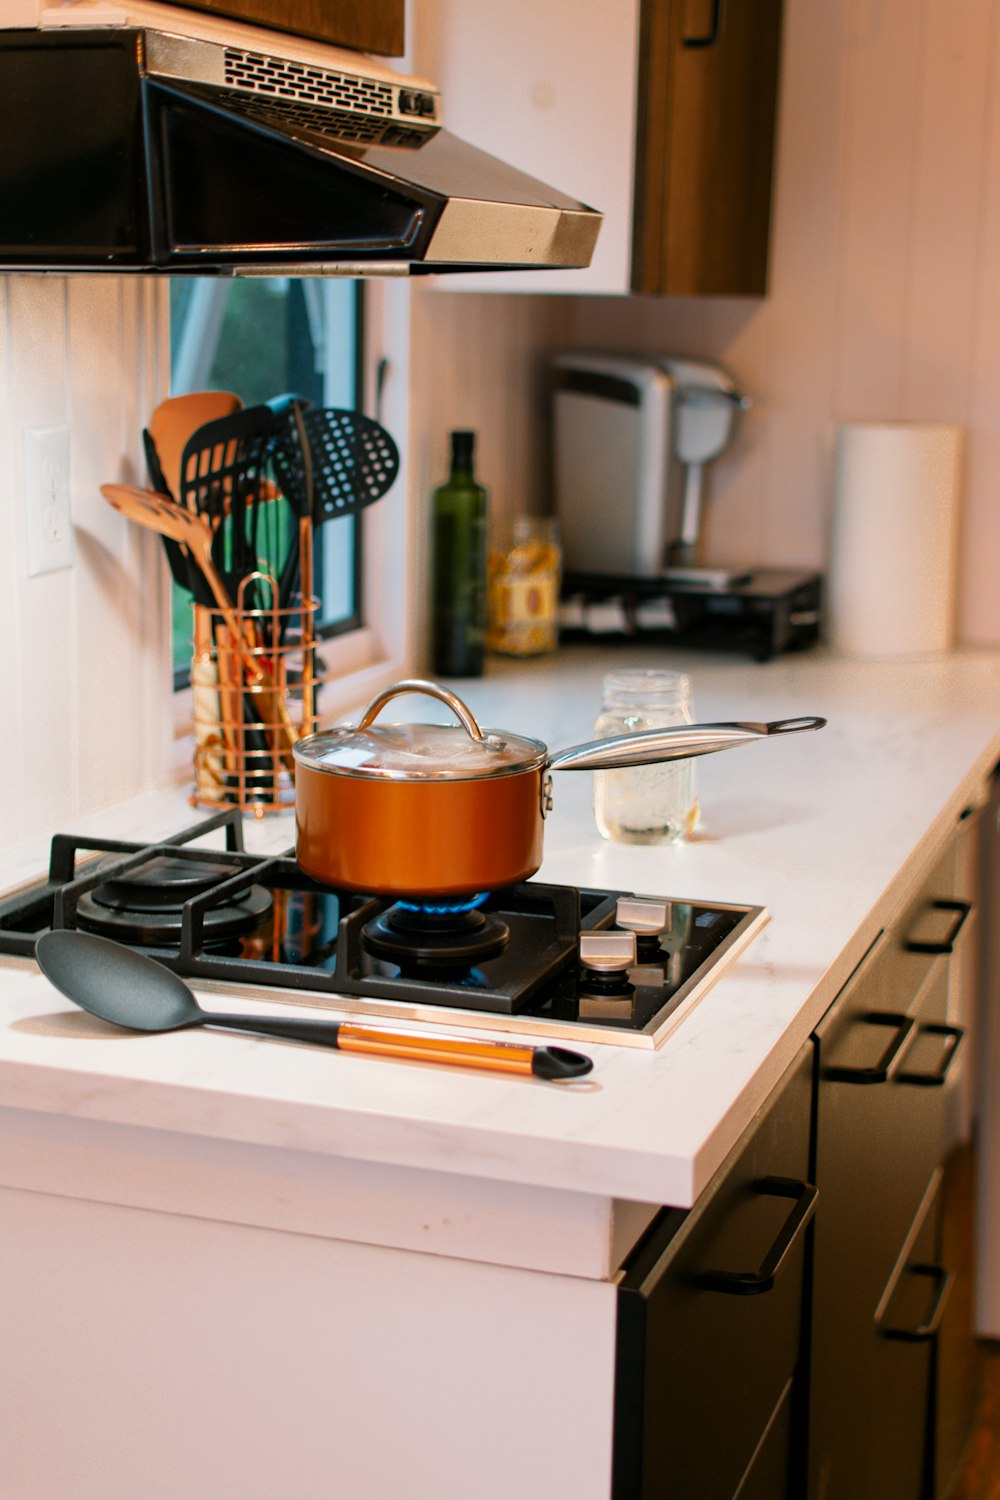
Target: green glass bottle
{"x": 458, "y": 546}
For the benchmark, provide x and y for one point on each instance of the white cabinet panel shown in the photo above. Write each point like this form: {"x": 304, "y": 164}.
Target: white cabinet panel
{"x": 157, "y": 1356}
{"x": 550, "y": 88}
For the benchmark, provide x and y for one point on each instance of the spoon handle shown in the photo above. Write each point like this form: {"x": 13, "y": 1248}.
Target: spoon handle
{"x": 503, "y": 1057}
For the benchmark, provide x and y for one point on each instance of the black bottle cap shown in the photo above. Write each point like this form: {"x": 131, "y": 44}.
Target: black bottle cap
{"x": 462, "y": 446}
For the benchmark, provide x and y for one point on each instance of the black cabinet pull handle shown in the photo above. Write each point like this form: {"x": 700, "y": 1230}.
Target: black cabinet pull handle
{"x": 929, "y": 1328}
{"x": 751, "y": 1283}
{"x": 711, "y": 36}
{"x": 944, "y": 945}
{"x": 953, "y": 1036}
{"x": 879, "y": 1071}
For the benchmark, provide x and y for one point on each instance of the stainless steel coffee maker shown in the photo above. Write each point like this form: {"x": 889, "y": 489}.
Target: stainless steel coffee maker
{"x": 632, "y": 436}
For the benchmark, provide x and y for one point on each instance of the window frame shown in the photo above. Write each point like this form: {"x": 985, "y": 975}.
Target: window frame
{"x": 336, "y": 393}
{"x": 359, "y": 659}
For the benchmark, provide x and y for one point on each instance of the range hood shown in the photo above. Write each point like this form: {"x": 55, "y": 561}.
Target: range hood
{"x": 175, "y": 142}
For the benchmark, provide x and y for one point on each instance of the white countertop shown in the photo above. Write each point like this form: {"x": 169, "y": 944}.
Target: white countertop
{"x": 817, "y": 828}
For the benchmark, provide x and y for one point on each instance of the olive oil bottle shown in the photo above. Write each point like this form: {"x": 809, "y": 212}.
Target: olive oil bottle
{"x": 458, "y": 546}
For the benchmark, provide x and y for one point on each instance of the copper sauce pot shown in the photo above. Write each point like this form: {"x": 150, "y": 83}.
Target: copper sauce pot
{"x": 448, "y": 810}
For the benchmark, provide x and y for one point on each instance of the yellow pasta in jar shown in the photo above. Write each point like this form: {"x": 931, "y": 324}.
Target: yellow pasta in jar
{"x": 523, "y": 575}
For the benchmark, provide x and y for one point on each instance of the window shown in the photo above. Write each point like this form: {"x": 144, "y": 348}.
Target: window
{"x": 262, "y": 337}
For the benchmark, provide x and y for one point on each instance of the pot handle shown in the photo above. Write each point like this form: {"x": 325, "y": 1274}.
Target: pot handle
{"x": 433, "y": 690}
{"x": 680, "y": 743}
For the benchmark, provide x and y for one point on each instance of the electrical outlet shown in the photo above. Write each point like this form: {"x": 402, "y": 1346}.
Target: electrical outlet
{"x": 46, "y": 492}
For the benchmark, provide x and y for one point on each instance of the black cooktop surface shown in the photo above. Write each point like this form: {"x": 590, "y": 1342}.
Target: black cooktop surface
{"x": 239, "y": 919}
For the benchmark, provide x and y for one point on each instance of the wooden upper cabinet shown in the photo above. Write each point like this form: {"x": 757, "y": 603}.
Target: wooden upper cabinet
{"x": 660, "y": 113}
{"x": 708, "y": 88}
{"x": 367, "y": 25}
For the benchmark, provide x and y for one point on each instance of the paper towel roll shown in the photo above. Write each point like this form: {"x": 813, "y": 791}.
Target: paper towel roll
{"x": 893, "y": 538}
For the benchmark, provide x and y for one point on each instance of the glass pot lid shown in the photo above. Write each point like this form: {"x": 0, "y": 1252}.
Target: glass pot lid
{"x": 419, "y": 752}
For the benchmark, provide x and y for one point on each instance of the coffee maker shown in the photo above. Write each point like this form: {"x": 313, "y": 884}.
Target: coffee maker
{"x": 632, "y": 436}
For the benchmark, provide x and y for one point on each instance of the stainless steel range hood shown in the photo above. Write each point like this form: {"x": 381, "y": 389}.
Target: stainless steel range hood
{"x": 202, "y": 147}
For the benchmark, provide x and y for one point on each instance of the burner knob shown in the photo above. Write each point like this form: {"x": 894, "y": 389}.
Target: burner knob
{"x": 643, "y": 917}
{"x": 608, "y": 952}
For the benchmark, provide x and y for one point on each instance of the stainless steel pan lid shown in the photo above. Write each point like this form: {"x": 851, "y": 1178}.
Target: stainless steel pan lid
{"x": 419, "y": 752}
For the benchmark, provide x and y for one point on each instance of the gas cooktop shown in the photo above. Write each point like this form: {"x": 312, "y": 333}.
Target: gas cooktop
{"x": 543, "y": 959}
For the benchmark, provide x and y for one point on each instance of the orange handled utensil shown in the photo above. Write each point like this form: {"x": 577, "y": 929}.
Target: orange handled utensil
{"x": 130, "y": 989}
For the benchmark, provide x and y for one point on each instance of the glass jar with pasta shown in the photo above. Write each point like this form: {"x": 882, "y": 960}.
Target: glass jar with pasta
{"x": 523, "y": 573}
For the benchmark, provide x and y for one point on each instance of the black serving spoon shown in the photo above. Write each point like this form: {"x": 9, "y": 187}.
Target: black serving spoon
{"x": 129, "y": 989}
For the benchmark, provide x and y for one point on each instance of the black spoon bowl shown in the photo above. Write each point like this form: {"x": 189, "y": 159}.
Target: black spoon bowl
{"x": 130, "y": 989}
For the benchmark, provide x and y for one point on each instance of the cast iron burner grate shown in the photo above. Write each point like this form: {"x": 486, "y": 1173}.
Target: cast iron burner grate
{"x": 307, "y": 937}
{"x": 423, "y": 938}
{"x": 146, "y": 904}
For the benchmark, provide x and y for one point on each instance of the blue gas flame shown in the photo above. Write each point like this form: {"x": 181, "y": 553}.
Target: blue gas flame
{"x": 447, "y": 908}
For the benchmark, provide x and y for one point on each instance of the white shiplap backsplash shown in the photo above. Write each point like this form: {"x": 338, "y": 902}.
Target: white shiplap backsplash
{"x": 86, "y": 669}
{"x": 481, "y": 361}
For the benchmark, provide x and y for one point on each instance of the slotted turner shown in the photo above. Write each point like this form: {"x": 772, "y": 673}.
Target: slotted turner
{"x": 353, "y": 462}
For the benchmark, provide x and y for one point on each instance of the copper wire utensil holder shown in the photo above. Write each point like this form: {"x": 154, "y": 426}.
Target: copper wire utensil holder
{"x": 238, "y": 759}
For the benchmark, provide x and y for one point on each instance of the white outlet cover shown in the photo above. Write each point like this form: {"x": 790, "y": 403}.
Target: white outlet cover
{"x": 46, "y": 495}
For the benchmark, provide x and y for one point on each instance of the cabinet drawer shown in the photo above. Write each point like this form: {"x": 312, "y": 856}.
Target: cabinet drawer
{"x": 885, "y": 1059}
{"x": 884, "y": 1074}
{"x": 930, "y": 926}
{"x": 710, "y": 1314}
{"x": 907, "y": 1319}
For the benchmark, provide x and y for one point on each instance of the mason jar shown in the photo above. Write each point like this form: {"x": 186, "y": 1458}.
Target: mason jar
{"x": 655, "y": 804}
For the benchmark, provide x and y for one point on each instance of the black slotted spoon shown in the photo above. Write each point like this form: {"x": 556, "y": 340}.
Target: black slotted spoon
{"x": 351, "y": 462}
{"x": 329, "y": 462}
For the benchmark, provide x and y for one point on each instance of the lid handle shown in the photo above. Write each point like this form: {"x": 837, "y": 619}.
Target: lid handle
{"x": 433, "y": 690}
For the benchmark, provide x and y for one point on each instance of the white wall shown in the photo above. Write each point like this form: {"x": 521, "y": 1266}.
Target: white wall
{"x": 478, "y": 361}
{"x": 481, "y": 361}
{"x": 86, "y": 684}
{"x": 884, "y": 300}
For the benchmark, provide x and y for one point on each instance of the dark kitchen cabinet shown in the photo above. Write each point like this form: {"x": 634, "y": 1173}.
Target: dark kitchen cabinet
{"x": 368, "y": 25}
{"x": 707, "y": 110}
{"x": 710, "y": 1334}
{"x": 957, "y": 1367}
{"x": 888, "y": 1066}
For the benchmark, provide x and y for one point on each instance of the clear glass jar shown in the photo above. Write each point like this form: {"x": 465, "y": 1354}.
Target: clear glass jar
{"x": 523, "y": 586}
{"x": 655, "y": 804}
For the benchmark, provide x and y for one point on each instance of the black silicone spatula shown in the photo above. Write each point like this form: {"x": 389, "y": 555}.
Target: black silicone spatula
{"x": 129, "y": 989}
